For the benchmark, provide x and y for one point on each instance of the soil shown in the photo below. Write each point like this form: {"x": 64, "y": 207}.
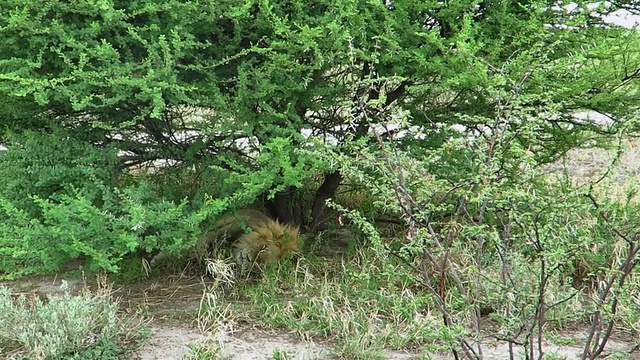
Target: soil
{"x": 173, "y": 304}
{"x": 169, "y": 343}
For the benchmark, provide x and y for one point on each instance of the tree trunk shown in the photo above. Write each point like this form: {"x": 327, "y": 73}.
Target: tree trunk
{"x": 284, "y": 209}
{"x": 287, "y": 208}
{"x": 325, "y": 191}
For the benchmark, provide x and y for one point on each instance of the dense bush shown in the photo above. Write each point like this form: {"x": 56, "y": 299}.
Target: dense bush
{"x": 213, "y": 85}
{"x": 50, "y": 166}
{"x": 62, "y": 202}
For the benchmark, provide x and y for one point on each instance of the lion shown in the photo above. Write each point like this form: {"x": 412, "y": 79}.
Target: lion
{"x": 257, "y": 238}
{"x": 254, "y": 237}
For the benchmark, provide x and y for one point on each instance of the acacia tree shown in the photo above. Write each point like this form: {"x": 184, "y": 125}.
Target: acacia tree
{"x": 241, "y": 90}
{"x": 209, "y": 84}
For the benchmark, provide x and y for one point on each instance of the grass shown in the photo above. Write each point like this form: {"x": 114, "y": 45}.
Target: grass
{"x": 208, "y": 349}
{"x": 359, "y": 304}
{"x": 334, "y": 298}
{"x": 281, "y": 355}
{"x": 85, "y": 326}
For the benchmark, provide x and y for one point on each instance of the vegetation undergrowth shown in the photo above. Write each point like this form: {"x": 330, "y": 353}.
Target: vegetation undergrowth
{"x": 354, "y": 301}
{"x": 554, "y": 251}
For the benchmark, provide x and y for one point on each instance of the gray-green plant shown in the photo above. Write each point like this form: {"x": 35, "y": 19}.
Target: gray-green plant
{"x": 81, "y": 327}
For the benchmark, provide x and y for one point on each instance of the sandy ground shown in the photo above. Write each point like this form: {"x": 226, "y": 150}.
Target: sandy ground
{"x": 169, "y": 343}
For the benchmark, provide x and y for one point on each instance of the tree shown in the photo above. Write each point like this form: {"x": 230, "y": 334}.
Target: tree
{"x": 208, "y": 84}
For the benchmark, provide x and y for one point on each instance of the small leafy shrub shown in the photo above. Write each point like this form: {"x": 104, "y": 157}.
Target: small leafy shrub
{"x": 135, "y": 219}
{"x": 81, "y": 327}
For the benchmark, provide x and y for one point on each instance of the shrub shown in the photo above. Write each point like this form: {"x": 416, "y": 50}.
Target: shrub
{"x": 85, "y": 326}
{"x": 70, "y": 208}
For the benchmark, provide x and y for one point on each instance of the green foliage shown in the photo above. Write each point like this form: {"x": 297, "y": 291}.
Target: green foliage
{"x": 73, "y": 228}
{"x": 80, "y": 327}
{"x": 236, "y": 92}
{"x": 69, "y": 208}
{"x": 259, "y": 70}
{"x": 277, "y": 168}
{"x": 208, "y": 349}
{"x": 51, "y": 166}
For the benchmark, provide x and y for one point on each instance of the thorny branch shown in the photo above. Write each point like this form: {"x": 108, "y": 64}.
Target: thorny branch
{"x": 407, "y": 204}
{"x": 596, "y": 339}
